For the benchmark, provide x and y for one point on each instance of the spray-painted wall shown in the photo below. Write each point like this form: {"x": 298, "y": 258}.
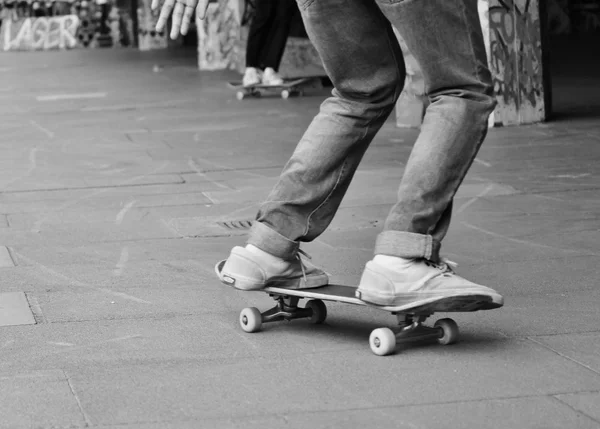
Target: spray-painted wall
{"x": 512, "y": 32}
{"x": 223, "y": 35}
{"x": 148, "y": 37}
{"x": 515, "y": 59}
{"x": 55, "y": 24}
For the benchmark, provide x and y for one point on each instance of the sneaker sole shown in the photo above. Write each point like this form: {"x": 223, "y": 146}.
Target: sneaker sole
{"x": 447, "y": 303}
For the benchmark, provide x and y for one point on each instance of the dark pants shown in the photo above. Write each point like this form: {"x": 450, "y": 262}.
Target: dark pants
{"x": 269, "y": 32}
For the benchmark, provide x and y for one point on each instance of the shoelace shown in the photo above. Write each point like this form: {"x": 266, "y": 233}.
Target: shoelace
{"x": 445, "y": 264}
{"x": 297, "y": 256}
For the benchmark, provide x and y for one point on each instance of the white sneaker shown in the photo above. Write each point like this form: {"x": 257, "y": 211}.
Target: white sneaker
{"x": 248, "y": 269}
{"x": 271, "y": 77}
{"x": 251, "y": 77}
{"x": 418, "y": 282}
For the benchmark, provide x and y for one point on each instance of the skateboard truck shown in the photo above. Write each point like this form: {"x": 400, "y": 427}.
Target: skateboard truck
{"x": 286, "y": 309}
{"x": 410, "y": 328}
{"x": 251, "y": 319}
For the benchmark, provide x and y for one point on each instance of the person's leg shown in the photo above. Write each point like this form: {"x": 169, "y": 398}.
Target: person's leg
{"x": 362, "y": 57}
{"x": 446, "y": 39}
{"x": 258, "y": 34}
{"x": 280, "y": 29}
{"x": 258, "y": 39}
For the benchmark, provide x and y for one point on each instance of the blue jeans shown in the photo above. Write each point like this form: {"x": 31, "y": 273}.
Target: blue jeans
{"x": 362, "y": 57}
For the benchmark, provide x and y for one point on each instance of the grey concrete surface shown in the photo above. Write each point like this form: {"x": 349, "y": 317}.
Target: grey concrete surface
{"x": 120, "y": 188}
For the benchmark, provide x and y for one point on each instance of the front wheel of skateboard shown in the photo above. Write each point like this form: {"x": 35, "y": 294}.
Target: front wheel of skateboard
{"x": 250, "y": 319}
{"x": 285, "y": 94}
{"x": 382, "y": 341}
{"x": 240, "y": 95}
{"x": 449, "y": 333}
{"x": 319, "y": 311}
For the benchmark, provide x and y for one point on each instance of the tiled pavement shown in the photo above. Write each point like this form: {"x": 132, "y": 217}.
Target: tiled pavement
{"x": 119, "y": 187}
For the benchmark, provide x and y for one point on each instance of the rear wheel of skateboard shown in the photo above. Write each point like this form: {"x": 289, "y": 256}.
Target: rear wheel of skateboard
{"x": 285, "y": 94}
{"x": 382, "y": 341}
{"x": 240, "y": 95}
{"x": 319, "y": 311}
{"x": 250, "y": 319}
{"x": 449, "y": 331}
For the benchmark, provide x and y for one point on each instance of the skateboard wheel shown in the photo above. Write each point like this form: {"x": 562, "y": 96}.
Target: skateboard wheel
{"x": 285, "y": 94}
{"x": 449, "y": 331}
{"x": 382, "y": 341}
{"x": 240, "y": 95}
{"x": 250, "y": 319}
{"x": 319, "y": 311}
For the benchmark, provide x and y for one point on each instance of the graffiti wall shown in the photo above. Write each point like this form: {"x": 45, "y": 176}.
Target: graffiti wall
{"x": 221, "y": 36}
{"x": 515, "y": 58}
{"x": 45, "y": 25}
{"x": 148, "y": 37}
{"x": 512, "y": 36}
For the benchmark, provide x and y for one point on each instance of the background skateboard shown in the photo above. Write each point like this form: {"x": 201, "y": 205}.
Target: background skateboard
{"x": 289, "y": 88}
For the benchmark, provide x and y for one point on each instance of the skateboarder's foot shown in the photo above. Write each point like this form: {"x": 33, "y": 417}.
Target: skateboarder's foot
{"x": 393, "y": 281}
{"x": 251, "y": 77}
{"x": 250, "y": 268}
{"x": 271, "y": 77}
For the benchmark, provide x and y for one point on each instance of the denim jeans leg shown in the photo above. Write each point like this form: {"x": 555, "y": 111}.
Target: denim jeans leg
{"x": 446, "y": 39}
{"x": 363, "y": 59}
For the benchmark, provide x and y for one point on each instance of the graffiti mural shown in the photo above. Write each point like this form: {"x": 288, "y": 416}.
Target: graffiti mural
{"x": 515, "y": 57}
{"x": 65, "y": 24}
{"x": 43, "y": 33}
{"x": 148, "y": 37}
{"x": 221, "y": 36}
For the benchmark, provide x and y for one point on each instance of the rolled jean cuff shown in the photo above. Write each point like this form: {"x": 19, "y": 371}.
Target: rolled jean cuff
{"x": 271, "y": 241}
{"x": 407, "y": 245}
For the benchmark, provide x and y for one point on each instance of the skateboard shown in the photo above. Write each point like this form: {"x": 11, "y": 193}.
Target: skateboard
{"x": 382, "y": 341}
{"x": 288, "y": 89}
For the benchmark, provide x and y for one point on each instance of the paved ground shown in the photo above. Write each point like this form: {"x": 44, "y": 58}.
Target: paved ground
{"x": 115, "y": 206}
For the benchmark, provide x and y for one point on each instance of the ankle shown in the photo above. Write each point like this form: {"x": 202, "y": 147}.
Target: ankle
{"x": 395, "y": 263}
{"x": 265, "y": 255}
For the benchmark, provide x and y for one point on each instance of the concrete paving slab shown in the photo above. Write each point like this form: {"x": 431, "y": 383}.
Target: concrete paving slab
{"x": 581, "y": 347}
{"x": 38, "y": 399}
{"x": 6, "y": 260}
{"x": 186, "y": 391}
{"x": 102, "y": 303}
{"x": 14, "y": 309}
{"x": 587, "y": 403}
{"x": 530, "y": 412}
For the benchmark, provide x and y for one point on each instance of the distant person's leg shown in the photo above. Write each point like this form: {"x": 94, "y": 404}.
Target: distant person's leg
{"x": 258, "y": 38}
{"x": 280, "y": 29}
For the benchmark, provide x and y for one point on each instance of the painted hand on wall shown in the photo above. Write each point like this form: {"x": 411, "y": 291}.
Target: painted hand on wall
{"x": 182, "y": 11}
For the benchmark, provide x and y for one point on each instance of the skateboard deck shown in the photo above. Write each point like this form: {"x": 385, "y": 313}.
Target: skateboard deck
{"x": 287, "y": 89}
{"x": 383, "y": 341}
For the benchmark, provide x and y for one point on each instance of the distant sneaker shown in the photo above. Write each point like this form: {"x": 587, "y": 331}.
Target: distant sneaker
{"x": 271, "y": 77}
{"x": 398, "y": 282}
{"x": 250, "y": 268}
{"x": 251, "y": 77}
